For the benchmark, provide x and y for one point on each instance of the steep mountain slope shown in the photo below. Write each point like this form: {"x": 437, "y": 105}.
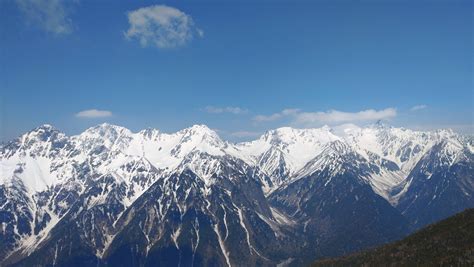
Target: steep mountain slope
{"x": 110, "y": 169}
{"x": 282, "y": 152}
{"x": 446, "y": 243}
{"x": 335, "y": 207}
{"x": 35, "y": 190}
{"x": 441, "y": 184}
{"x": 109, "y": 196}
{"x": 396, "y": 149}
{"x": 180, "y": 219}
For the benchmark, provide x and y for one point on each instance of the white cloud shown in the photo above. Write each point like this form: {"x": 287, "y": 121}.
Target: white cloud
{"x": 93, "y": 113}
{"x": 335, "y": 116}
{"x": 276, "y": 116}
{"x": 329, "y": 117}
{"x": 218, "y": 110}
{"x": 418, "y": 107}
{"x": 161, "y": 26}
{"x": 50, "y": 15}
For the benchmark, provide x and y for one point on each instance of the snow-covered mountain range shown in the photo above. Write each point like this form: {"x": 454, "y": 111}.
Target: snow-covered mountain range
{"x": 109, "y": 196}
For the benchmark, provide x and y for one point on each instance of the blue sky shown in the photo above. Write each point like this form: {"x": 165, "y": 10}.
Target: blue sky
{"x": 239, "y": 67}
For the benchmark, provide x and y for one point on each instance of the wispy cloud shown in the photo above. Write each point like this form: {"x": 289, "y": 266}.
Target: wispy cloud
{"x": 50, "y": 15}
{"x": 161, "y": 26}
{"x": 276, "y": 116}
{"x": 335, "y": 116}
{"x": 418, "y": 107}
{"x": 328, "y": 117}
{"x": 218, "y": 110}
{"x": 93, "y": 113}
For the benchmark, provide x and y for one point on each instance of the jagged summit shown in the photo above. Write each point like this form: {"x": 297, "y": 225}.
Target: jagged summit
{"x": 338, "y": 147}
{"x": 279, "y": 134}
{"x": 165, "y": 190}
{"x": 280, "y": 153}
{"x": 105, "y": 129}
{"x": 201, "y": 133}
{"x": 333, "y": 155}
{"x": 199, "y": 128}
{"x": 45, "y": 127}
{"x": 380, "y": 124}
{"x": 289, "y": 134}
{"x": 150, "y": 133}
{"x": 42, "y": 132}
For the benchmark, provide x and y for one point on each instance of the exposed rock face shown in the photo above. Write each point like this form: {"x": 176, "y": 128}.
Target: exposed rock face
{"x": 112, "y": 197}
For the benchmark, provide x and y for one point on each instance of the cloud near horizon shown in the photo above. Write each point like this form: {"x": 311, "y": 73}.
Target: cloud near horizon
{"x": 49, "y": 15}
{"x": 219, "y": 110}
{"x": 161, "y": 26}
{"x": 276, "y": 116}
{"x": 93, "y": 113}
{"x": 418, "y": 107}
{"x": 328, "y": 117}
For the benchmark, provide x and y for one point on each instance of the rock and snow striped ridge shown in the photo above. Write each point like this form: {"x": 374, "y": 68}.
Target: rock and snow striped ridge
{"x": 43, "y": 157}
{"x": 108, "y": 173}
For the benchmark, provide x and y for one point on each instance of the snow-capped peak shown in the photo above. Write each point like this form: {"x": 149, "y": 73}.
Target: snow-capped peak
{"x": 106, "y": 131}
{"x": 446, "y": 134}
{"x": 201, "y": 133}
{"x": 288, "y": 135}
{"x": 150, "y": 133}
{"x": 380, "y": 125}
{"x": 112, "y": 137}
{"x": 337, "y": 147}
{"x": 279, "y": 153}
{"x": 40, "y": 134}
{"x": 332, "y": 156}
{"x": 199, "y": 129}
{"x": 45, "y": 127}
